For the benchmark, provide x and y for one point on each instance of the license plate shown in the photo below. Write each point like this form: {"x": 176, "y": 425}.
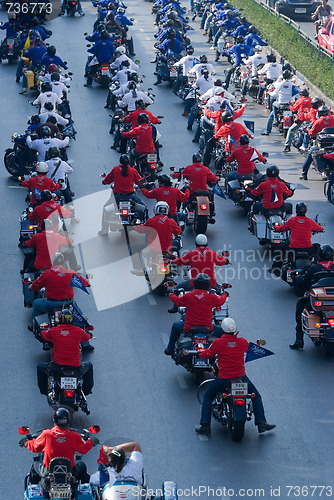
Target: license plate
{"x": 152, "y": 158}
{"x": 287, "y": 113}
{"x": 68, "y": 383}
{"x": 300, "y": 11}
{"x": 105, "y": 72}
{"x": 173, "y": 73}
{"x": 200, "y": 362}
{"x": 239, "y": 388}
{"x": 288, "y": 277}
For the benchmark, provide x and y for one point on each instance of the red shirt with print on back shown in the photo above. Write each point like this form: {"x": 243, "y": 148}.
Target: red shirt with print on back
{"x": 66, "y": 339}
{"x": 57, "y": 283}
{"x": 301, "y": 231}
{"x": 123, "y": 184}
{"x": 199, "y": 175}
{"x": 168, "y": 194}
{"x": 230, "y": 350}
{"x": 160, "y": 229}
{"x": 46, "y": 243}
{"x": 202, "y": 260}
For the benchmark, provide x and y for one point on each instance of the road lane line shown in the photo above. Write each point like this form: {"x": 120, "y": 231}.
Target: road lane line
{"x": 151, "y": 300}
{"x": 16, "y": 187}
{"x": 203, "y": 438}
{"x": 165, "y": 338}
{"x": 182, "y": 382}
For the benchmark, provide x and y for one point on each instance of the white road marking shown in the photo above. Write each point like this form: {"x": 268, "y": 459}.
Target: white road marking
{"x": 165, "y": 338}
{"x": 141, "y": 29}
{"x": 203, "y": 438}
{"x": 16, "y": 187}
{"x": 151, "y": 300}
{"x": 182, "y": 382}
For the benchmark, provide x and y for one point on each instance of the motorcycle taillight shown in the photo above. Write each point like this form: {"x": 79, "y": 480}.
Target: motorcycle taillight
{"x": 239, "y": 402}
{"x": 331, "y": 321}
{"x": 163, "y": 269}
{"x": 204, "y": 206}
{"x": 68, "y": 394}
{"x": 124, "y": 212}
{"x": 153, "y": 166}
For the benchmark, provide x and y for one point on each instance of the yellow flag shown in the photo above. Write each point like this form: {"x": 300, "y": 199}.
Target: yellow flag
{"x": 27, "y": 44}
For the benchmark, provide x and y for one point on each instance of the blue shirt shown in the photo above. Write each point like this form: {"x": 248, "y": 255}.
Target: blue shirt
{"x": 163, "y": 35}
{"x": 103, "y": 50}
{"x": 253, "y": 39}
{"x": 47, "y": 60}
{"x": 11, "y": 27}
{"x": 238, "y": 50}
{"x": 229, "y": 24}
{"x": 166, "y": 45}
{"x": 241, "y": 30}
{"x": 123, "y": 20}
{"x": 35, "y": 54}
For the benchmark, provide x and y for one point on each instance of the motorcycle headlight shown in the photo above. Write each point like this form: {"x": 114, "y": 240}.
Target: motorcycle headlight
{"x": 14, "y": 137}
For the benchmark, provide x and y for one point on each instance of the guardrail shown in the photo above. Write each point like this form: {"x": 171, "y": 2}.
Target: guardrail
{"x": 295, "y": 25}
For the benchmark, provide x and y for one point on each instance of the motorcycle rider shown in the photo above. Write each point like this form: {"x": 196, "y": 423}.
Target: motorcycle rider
{"x": 230, "y": 350}
{"x": 47, "y": 96}
{"x": 198, "y": 174}
{"x": 124, "y": 178}
{"x": 58, "y": 170}
{"x": 165, "y": 192}
{"x": 232, "y": 133}
{"x": 204, "y": 83}
{"x": 145, "y": 136}
{"x": 45, "y": 143}
{"x": 49, "y": 209}
{"x": 324, "y": 265}
{"x": 273, "y": 192}
{"x": 38, "y": 183}
{"x": 48, "y": 106}
{"x": 203, "y": 64}
{"x": 272, "y": 70}
{"x": 120, "y": 56}
{"x": 59, "y": 441}
{"x": 187, "y": 63}
{"x": 199, "y": 304}
{"x": 323, "y": 10}
{"x": 252, "y": 62}
{"x": 244, "y": 156}
{"x": 63, "y": 8}
{"x": 240, "y": 50}
{"x": 51, "y": 58}
{"x": 35, "y": 55}
{"x": 302, "y": 106}
{"x": 134, "y": 94}
{"x": 103, "y": 50}
{"x": 170, "y": 46}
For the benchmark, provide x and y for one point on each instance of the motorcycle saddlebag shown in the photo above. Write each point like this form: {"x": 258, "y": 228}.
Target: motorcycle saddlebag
{"x": 84, "y": 491}
{"x": 29, "y": 295}
{"x": 30, "y": 78}
{"x": 33, "y": 492}
{"x": 322, "y": 297}
{"x": 325, "y": 138}
{"x": 329, "y": 335}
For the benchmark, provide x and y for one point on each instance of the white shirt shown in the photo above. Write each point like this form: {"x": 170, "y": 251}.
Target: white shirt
{"x": 214, "y": 104}
{"x": 283, "y": 91}
{"x": 63, "y": 170}
{"x": 47, "y": 97}
{"x": 129, "y": 100}
{"x": 271, "y": 70}
{"x": 187, "y": 64}
{"x": 118, "y": 61}
{"x": 212, "y": 92}
{"x": 47, "y": 78}
{"x": 255, "y": 60}
{"x": 43, "y": 145}
{"x": 132, "y": 470}
{"x": 58, "y": 88}
{"x": 60, "y": 119}
{"x": 121, "y": 76}
{"x": 124, "y": 89}
{"x": 197, "y": 69}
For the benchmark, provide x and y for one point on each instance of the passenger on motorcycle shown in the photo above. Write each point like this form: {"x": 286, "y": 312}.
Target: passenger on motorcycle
{"x": 199, "y": 304}
{"x": 43, "y": 145}
{"x": 244, "y": 156}
{"x": 145, "y": 136}
{"x": 35, "y": 55}
{"x": 165, "y": 192}
{"x": 38, "y": 183}
{"x": 133, "y": 95}
{"x": 204, "y": 83}
{"x": 51, "y": 123}
{"x": 302, "y": 106}
{"x": 187, "y": 63}
{"x": 230, "y": 350}
{"x": 132, "y": 117}
{"x": 273, "y": 192}
{"x": 120, "y": 56}
{"x": 60, "y": 120}
{"x": 253, "y": 62}
{"x": 47, "y": 96}
{"x": 325, "y": 266}
{"x": 272, "y": 70}
{"x": 203, "y": 64}
{"x": 12, "y": 27}
{"x": 103, "y": 50}
{"x": 58, "y": 172}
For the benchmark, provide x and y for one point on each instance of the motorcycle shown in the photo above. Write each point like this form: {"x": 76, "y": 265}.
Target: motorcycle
{"x": 124, "y": 214}
{"x": 9, "y": 51}
{"x": 165, "y": 68}
{"x": 59, "y": 482}
{"x": 12, "y": 156}
{"x": 232, "y": 408}
{"x": 284, "y": 116}
{"x": 325, "y": 143}
{"x": 71, "y": 7}
{"x": 100, "y": 72}
{"x": 146, "y": 164}
{"x": 27, "y": 229}
{"x": 134, "y": 491}
{"x": 290, "y": 269}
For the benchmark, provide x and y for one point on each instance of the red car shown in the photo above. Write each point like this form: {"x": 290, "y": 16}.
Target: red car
{"x": 326, "y": 35}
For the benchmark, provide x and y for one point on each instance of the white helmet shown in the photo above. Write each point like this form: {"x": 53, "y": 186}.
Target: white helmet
{"x": 120, "y": 49}
{"x": 201, "y": 240}
{"x": 42, "y": 167}
{"x": 228, "y": 325}
{"x": 258, "y": 48}
{"x": 161, "y": 208}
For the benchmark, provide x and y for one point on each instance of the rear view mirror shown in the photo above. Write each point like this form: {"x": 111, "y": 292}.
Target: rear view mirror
{"x": 24, "y": 430}
{"x": 323, "y": 31}
{"x": 172, "y": 169}
{"x": 226, "y": 285}
{"x": 265, "y": 154}
{"x": 85, "y": 34}
{"x": 292, "y": 187}
{"x": 94, "y": 429}
{"x": 137, "y": 62}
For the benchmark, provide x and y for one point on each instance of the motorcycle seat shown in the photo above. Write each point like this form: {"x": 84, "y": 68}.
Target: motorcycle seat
{"x": 327, "y": 130}
{"x": 201, "y": 193}
{"x": 324, "y": 280}
{"x": 199, "y": 329}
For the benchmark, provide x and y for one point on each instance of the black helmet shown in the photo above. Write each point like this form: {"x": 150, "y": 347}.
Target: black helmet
{"x": 227, "y": 117}
{"x": 171, "y": 33}
{"x": 304, "y": 93}
{"x": 240, "y": 39}
{"x": 35, "y": 119}
{"x": 218, "y": 83}
{"x": 116, "y": 458}
{"x": 48, "y": 106}
{"x": 170, "y": 23}
{"x": 53, "y": 152}
{"x": 252, "y": 29}
{"x": 316, "y": 103}
{"x": 172, "y": 15}
{"x": 229, "y": 13}
{"x": 132, "y": 85}
{"x": 203, "y": 59}
{"x": 323, "y": 111}
{"x": 271, "y": 58}
{"x": 165, "y": 180}
{"x": 272, "y": 171}
{"x": 190, "y": 50}
{"x": 62, "y": 417}
{"x": 46, "y": 131}
{"x": 301, "y": 208}
{"x": 46, "y": 87}
{"x": 140, "y": 103}
{"x": 287, "y": 74}
{"x": 46, "y": 225}
{"x": 133, "y": 77}
{"x": 55, "y": 77}
{"x": 243, "y": 20}
{"x": 66, "y": 316}
{"x": 46, "y": 195}
{"x": 124, "y": 159}
{"x": 104, "y": 35}
{"x": 287, "y": 66}
{"x": 125, "y": 63}
{"x": 326, "y": 253}
{"x": 197, "y": 158}
{"x": 51, "y": 50}
{"x": 143, "y": 118}
{"x": 58, "y": 259}
{"x": 202, "y": 281}
{"x": 244, "y": 139}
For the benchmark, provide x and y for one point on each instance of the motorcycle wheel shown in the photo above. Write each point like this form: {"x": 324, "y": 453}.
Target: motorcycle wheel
{"x": 10, "y": 59}
{"x": 161, "y": 290}
{"x": 10, "y": 161}
{"x": 72, "y": 12}
{"x": 237, "y": 429}
{"x": 104, "y": 81}
{"x": 285, "y": 132}
{"x": 328, "y": 349}
{"x": 198, "y": 376}
{"x": 200, "y": 224}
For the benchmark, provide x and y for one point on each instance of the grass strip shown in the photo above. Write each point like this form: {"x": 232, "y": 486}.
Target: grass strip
{"x": 314, "y": 65}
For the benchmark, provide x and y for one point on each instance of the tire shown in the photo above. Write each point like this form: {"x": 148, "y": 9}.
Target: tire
{"x": 198, "y": 376}
{"x": 161, "y": 290}
{"x": 10, "y": 59}
{"x": 237, "y": 431}
{"x": 72, "y": 12}
{"x": 10, "y": 161}
{"x": 328, "y": 349}
{"x": 285, "y": 132}
{"x": 203, "y": 387}
{"x": 104, "y": 81}
{"x": 200, "y": 224}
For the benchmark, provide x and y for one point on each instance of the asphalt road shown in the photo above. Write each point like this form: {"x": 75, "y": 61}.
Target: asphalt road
{"x": 139, "y": 393}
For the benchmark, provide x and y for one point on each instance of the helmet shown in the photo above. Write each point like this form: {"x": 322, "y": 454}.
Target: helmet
{"x": 228, "y": 326}
{"x": 203, "y": 59}
{"x": 170, "y": 22}
{"x": 326, "y": 252}
{"x": 62, "y": 417}
{"x": 51, "y": 50}
{"x": 124, "y": 159}
{"x": 287, "y": 66}
{"x": 201, "y": 240}
{"x": 229, "y": 13}
{"x": 218, "y": 83}
{"x": 271, "y": 57}
{"x": 252, "y": 29}
{"x": 161, "y": 208}
{"x": 197, "y": 158}
{"x": 104, "y": 35}
{"x": 143, "y": 118}
{"x": 120, "y": 49}
{"x": 116, "y": 458}
{"x": 219, "y": 90}
{"x": 258, "y": 48}
{"x": 202, "y": 281}
{"x": 48, "y": 106}
{"x": 66, "y": 316}
{"x": 46, "y": 225}
{"x": 172, "y": 15}
{"x": 35, "y": 119}
{"x": 272, "y": 171}
{"x": 46, "y": 87}
{"x": 42, "y": 167}
{"x": 11, "y": 15}
{"x": 316, "y": 103}
{"x": 133, "y": 77}
{"x": 287, "y": 74}
{"x": 304, "y": 93}
{"x": 227, "y": 117}
{"x": 140, "y": 103}
{"x": 53, "y": 152}
{"x": 301, "y": 208}
{"x": 323, "y": 111}
{"x": 46, "y": 131}
{"x": 165, "y": 180}
{"x": 46, "y": 195}
{"x": 120, "y": 10}
{"x": 38, "y": 41}
{"x": 132, "y": 85}
{"x": 125, "y": 63}
{"x": 244, "y": 139}
{"x": 190, "y": 49}
{"x": 240, "y": 39}
{"x": 55, "y": 77}
{"x": 52, "y": 68}
{"x": 243, "y": 20}
{"x": 171, "y": 33}
{"x": 58, "y": 259}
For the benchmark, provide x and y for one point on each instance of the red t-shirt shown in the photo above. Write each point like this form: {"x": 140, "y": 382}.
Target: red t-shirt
{"x": 56, "y": 282}
{"x": 38, "y": 184}
{"x": 217, "y": 116}
{"x": 133, "y": 116}
{"x": 272, "y": 189}
{"x": 243, "y": 156}
{"x": 235, "y": 131}
{"x": 57, "y": 442}
{"x": 231, "y": 355}
{"x": 303, "y": 106}
{"x": 46, "y": 211}
{"x": 199, "y": 305}
{"x": 160, "y": 229}
{"x": 202, "y": 260}
{"x": 301, "y": 231}
{"x": 169, "y": 194}
{"x": 320, "y": 124}
{"x": 144, "y": 138}
{"x": 123, "y": 184}
{"x": 199, "y": 175}
{"x": 46, "y": 243}
{"x": 66, "y": 341}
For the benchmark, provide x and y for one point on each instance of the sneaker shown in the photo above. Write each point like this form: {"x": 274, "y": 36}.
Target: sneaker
{"x": 87, "y": 348}
{"x": 189, "y": 127}
{"x": 87, "y": 84}
{"x": 265, "y": 133}
{"x": 243, "y": 99}
{"x": 263, "y": 427}
{"x": 185, "y": 113}
{"x": 81, "y": 13}
{"x": 158, "y": 82}
{"x": 204, "y": 429}
{"x": 61, "y": 13}
{"x": 115, "y": 145}
{"x": 160, "y": 163}
{"x": 213, "y": 47}
{"x": 103, "y": 233}
{"x": 173, "y": 309}
{"x": 168, "y": 353}
{"x": 287, "y": 149}
{"x": 74, "y": 220}
{"x": 195, "y": 141}
{"x": 303, "y": 176}
{"x": 23, "y": 91}
{"x": 302, "y": 149}
{"x": 30, "y": 328}
{"x": 204, "y": 32}
{"x": 299, "y": 344}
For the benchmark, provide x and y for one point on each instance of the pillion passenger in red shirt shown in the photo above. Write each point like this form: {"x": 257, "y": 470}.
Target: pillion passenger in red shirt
{"x": 60, "y": 441}
{"x": 199, "y": 304}
{"x": 145, "y": 136}
{"x": 165, "y": 192}
{"x": 273, "y": 191}
{"x": 230, "y": 350}
{"x": 38, "y": 183}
